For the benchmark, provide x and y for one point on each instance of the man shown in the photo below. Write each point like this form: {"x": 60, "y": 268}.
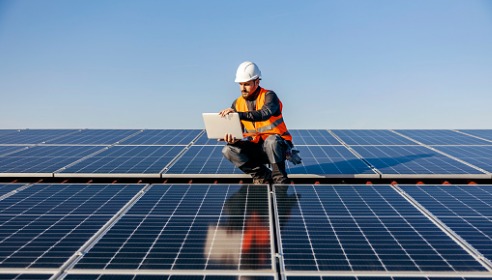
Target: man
{"x": 266, "y": 138}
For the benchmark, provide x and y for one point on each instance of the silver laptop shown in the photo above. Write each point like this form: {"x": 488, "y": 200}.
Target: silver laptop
{"x": 218, "y": 126}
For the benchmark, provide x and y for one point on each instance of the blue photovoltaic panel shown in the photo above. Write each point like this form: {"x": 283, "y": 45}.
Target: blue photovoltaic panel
{"x": 167, "y": 277}
{"x": 94, "y": 137}
{"x": 411, "y": 160}
{"x": 371, "y": 137}
{"x": 6, "y": 188}
{"x": 25, "y": 276}
{"x": 163, "y": 137}
{"x": 203, "y": 140}
{"x": 442, "y": 137}
{"x": 44, "y": 159}
{"x": 33, "y": 136}
{"x": 480, "y": 156}
{"x": 313, "y": 137}
{"x": 4, "y": 150}
{"x": 482, "y": 133}
{"x": 203, "y": 160}
{"x": 128, "y": 159}
{"x": 7, "y": 131}
{"x": 328, "y": 160}
{"x": 189, "y": 227}
{"x": 44, "y": 225}
{"x": 361, "y": 228}
{"x": 467, "y": 210}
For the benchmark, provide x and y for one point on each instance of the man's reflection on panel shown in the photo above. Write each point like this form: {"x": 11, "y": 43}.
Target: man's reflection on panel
{"x": 242, "y": 240}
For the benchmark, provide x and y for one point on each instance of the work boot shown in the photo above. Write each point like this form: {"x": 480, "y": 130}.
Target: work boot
{"x": 262, "y": 176}
{"x": 279, "y": 175}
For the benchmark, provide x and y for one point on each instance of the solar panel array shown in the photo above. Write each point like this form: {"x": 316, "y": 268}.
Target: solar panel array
{"x": 188, "y": 153}
{"x": 224, "y": 231}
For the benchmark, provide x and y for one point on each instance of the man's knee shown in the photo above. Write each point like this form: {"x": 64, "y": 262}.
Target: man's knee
{"x": 228, "y": 151}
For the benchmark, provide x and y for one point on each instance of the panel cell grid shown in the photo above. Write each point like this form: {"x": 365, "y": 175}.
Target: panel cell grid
{"x": 4, "y": 150}
{"x": 362, "y": 228}
{"x": 6, "y": 188}
{"x": 203, "y": 160}
{"x": 44, "y": 225}
{"x": 94, "y": 137}
{"x": 442, "y": 137}
{"x": 411, "y": 160}
{"x": 480, "y": 156}
{"x": 197, "y": 227}
{"x": 44, "y": 159}
{"x": 371, "y": 137}
{"x": 128, "y": 159}
{"x": 325, "y": 160}
{"x": 482, "y": 133}
{"x": 33, "y": 136}
{"x": 313, "y": 137}
{"x": 467, "y": 210}
{"x": 163, "y": 137}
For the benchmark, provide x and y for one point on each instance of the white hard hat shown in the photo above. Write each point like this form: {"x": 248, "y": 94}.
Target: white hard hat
{"x": 247, "y": 71}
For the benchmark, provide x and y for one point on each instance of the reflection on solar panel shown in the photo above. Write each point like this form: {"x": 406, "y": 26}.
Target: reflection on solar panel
{"x": 442, "y": 137}
{"x": 33, "y": 136}
{"x": 361, "y": 228}
{"x": 44, "y": 225}
{"x": 94, "y": 136}
{"x": 411, "y": 160}
{"x": 128, "y": 159}
{"x": 163, "y": 137}
{"x": 203, "y": 228}
{"x": 203, "y": 160}
{"x": 328, "y": 160}
{"x": 466, "y": 210}
{"x": 42, "y": 159}
{"x": 480, "y": 156}
{"x": 371, "y": 137}
{"x": 313, "y": 137}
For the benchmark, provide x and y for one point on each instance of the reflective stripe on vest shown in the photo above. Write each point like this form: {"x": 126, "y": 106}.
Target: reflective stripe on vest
{"x": 262, "y": 129}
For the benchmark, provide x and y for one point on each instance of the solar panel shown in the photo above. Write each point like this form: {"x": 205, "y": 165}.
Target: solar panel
{"x": 442, "y": 137}
{"x": 360, "y": 229}
{"x": 203, "y": 160}
{"x": 198, "y": 228}
{"x": 163, "y": 137}
{"x": 4, "y": 150}
{"x": 7, "y": 188}
{"x": 94, "y": 137}
{"x": 480, "y": 156}
{"x": 371, "y": 137}
{"x": 412, "y": 160}
{"x": 467, "y": 210}
{"x": 127, "y": 159}
{"x": 25, "y": 276}
{"x": 33, "y": 136}
{"x": 165, "y": 277}
{"x": 203, "y": 140}
{"x": 482, "y": 133}
{"x": 313, "y": 137}
{"x": 44, "y": 159}
{"x": 44, "y": 225}
{"x": 328, "y": 161}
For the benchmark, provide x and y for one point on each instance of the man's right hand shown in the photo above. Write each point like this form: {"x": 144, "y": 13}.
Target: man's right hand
{"x": 226, "y": 112}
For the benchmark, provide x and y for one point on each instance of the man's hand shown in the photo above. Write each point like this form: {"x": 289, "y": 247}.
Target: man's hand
{"x": 226, "y": 112}
{"x": 230, "y": 139}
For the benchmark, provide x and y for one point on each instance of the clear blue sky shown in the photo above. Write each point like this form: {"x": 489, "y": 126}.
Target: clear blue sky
{"x": 160, "y": 64}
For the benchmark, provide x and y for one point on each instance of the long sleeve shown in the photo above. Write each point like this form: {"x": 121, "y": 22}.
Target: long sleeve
{"x": 271, "y": 108}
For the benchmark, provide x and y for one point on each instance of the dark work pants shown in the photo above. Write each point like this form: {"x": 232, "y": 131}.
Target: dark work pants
{"x": 251, "y": 158}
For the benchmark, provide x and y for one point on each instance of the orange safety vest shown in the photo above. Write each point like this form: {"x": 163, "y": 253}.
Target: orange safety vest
{"x": 262, "y": 129}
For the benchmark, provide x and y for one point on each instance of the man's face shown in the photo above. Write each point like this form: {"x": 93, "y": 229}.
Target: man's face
{"x": 248, "y": 87}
